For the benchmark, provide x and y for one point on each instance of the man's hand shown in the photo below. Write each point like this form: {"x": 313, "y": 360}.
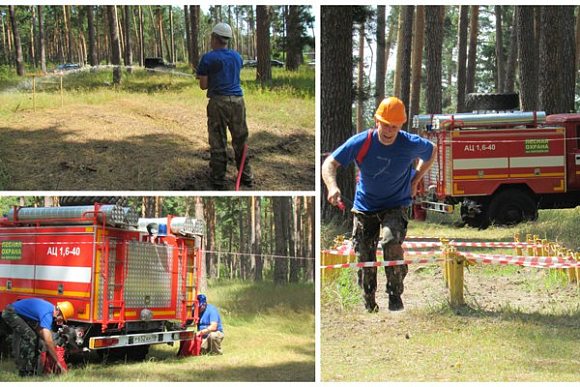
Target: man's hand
{"x": 329, "y": 168}
{"x": 334, "y": 196}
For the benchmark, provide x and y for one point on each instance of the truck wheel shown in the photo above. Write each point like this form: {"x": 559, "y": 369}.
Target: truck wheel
{"x": 491, "y": 101}
{"x": 474, "y": 213}
{"x": 513, "y": 206}
{"x": 90, "y": 200}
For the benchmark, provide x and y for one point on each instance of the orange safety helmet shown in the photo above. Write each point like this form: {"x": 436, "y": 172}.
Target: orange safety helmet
{"x": 391, "y": 111}
{"x": 66, "y": 309}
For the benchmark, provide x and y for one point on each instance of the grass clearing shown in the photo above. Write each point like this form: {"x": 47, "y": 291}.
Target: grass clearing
{"x": 269, "y": 336}
{"x": 518, "y": 324}
{"x": 149, "y": 133}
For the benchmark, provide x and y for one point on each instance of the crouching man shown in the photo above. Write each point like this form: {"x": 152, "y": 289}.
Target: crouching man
{"x": 209, "y": 327}
{"x": 29, "y": 320}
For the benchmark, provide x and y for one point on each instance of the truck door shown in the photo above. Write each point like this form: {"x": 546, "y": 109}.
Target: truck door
{"x": 574, "y": 160}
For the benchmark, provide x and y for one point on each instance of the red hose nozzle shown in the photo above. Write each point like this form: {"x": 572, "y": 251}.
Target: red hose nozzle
{"x": 340, "y": 205}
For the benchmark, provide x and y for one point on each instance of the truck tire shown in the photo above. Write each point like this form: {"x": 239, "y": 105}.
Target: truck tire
{"x": 512, "y": 206}
{"x": 474, "y": 213}
{"x": 90, "y": 200}
{"x": 492, "y": 101}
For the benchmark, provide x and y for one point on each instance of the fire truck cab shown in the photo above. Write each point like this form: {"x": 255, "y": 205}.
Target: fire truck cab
{"x": 502, "y": 167}
{"x": 133, "y": 282}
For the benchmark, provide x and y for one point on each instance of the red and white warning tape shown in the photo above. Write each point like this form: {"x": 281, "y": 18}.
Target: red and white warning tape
{"x": 520, "y": 260}
{"x": 347, "y": 248}
{"x": 381, "y": 263}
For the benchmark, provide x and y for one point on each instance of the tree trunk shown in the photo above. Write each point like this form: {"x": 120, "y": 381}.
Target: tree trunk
{"x": 397, "y": 75}
{"x": 263, "y": 15}
{"x": 417, "y": 63}
{"x": 336, "y": 92}
{"x": 188, "y": 35}
{"x": 171, "y": 35}
{"x": 500, "y": 73}
{"x": 17, "y": 45}
{"x": 393, "y": 27}
{"x": 472, "y": 62}
{"x": 210, "y": 244}
{"x": 281, "y": 210}
{"x": 405, "y": 71}
{"x": 433, "y": 42}
{"x": 381, "y": 43}
{"x": 115, "y": 44}
{"x": 294, "y": 53}
{"x": 257, "y": 238}
{"x": 296, "y": 263}
{"x": 42, "y": 42}
{"x": 360, "y": 101}
{"x": 567, "y": 50}
{"x": 194, "y": 21}
{"x": 461, "y": 56}
{"x": 527, "y": 59}
{"x": 578, "y": 41}
{"x": 33, "y": 59}
{"x": 128, "y": 57}
{"x": 510, "y": 75}
{"x": 141, "y": 38}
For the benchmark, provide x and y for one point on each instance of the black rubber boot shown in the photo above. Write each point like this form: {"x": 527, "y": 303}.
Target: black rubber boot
{"x": 370, "y": 304}
{"x": 395, "y": 303}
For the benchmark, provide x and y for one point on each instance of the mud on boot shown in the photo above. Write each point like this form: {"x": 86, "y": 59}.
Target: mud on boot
{"x": 395, "y": 303}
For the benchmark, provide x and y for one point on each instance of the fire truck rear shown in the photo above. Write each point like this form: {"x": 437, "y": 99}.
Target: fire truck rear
{"x": 133, "y": 282}
{"x": 502, "y": 167}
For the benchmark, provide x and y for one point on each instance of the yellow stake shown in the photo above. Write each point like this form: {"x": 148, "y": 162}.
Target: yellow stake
{"x": 519, "y": 250}
{"x": 456, "y": 274}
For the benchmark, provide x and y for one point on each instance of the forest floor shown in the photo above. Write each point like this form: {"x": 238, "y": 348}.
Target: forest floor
{"x": 269, "y": 337}
{"x": 517, "y": 324}
{"x": 149, "y": 134}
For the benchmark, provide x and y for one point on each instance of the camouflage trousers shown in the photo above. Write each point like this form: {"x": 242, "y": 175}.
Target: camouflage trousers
{"x": 366, "y": 232}
{"x": 212, "y": 343}
{"x": 227, "y": 112}
{"x": 24, "y": 342}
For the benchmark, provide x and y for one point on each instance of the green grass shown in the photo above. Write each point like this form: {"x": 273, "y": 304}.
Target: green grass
{"x": 269, "y": 336}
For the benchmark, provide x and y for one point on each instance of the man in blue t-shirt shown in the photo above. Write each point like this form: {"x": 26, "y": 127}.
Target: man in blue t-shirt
{"x": 30, "y": 319}
{"x": 387, "y": 183}
{"x": 209, "y": 327}
{"x": 219, "y": 73}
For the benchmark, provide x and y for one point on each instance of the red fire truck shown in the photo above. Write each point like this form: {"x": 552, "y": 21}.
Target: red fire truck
{"x": 502, "y": 167}
{"x": 132, "y": 283}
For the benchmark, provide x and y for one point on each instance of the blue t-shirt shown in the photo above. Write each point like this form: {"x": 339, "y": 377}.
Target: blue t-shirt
{"x": 386, "y": 170}
{"x": 222, "y": 67}
{"x": 37, "y": 310}
{"x": 209, "y": 315}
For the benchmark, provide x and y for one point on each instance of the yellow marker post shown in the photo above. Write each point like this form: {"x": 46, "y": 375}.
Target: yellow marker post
{"x": 530, "y": 241}
{"x": 445, "y": 257}
{"x": 519, "y": 250}
{"x": 456, "y": 278}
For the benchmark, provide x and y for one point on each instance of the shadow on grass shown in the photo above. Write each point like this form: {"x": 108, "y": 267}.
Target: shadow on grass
{"x": 251, "y": 299}
{"x": 506, "y": 313}
{"x": 52, "y": 158}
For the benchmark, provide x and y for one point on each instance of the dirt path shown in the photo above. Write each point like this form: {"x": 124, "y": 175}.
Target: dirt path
{"x": 141, "y": 143}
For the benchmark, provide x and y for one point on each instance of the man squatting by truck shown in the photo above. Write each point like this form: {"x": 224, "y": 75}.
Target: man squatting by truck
{"x": 30, "y": 319}
{"x": 219, "y": 73}
{"x": 387, "y": 183}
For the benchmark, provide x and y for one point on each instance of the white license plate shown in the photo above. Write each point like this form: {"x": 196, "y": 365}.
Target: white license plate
{"x": 145, "y": 338}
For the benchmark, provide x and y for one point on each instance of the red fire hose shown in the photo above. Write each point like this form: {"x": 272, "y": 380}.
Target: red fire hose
{"x": 241, "y": 167}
